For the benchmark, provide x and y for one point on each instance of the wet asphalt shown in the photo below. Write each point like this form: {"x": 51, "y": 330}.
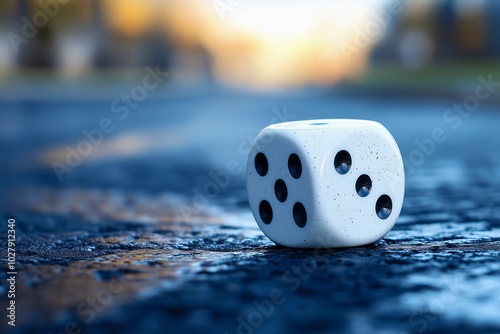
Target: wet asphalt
{"x": 124, "y": 245}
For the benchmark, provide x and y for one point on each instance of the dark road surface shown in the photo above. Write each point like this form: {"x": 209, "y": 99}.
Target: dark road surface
{"x": 126, "y": 243}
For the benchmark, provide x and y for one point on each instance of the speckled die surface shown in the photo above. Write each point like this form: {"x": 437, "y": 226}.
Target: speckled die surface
{"x": 325, "y": 183}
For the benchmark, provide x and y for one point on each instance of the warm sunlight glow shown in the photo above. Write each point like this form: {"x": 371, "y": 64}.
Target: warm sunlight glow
{"x": 285, "y": 44}
{"x": 130, "y": 18}
{"x": 261, "y": 43}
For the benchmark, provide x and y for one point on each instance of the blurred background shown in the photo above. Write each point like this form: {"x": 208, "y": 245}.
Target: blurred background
{"x": 115, "y": 115}
{"x": 249, "y": 44}
{"x": 65, "y": 65}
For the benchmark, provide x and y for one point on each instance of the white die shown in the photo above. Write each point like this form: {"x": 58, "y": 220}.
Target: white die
{"x": 325, "y": 183}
